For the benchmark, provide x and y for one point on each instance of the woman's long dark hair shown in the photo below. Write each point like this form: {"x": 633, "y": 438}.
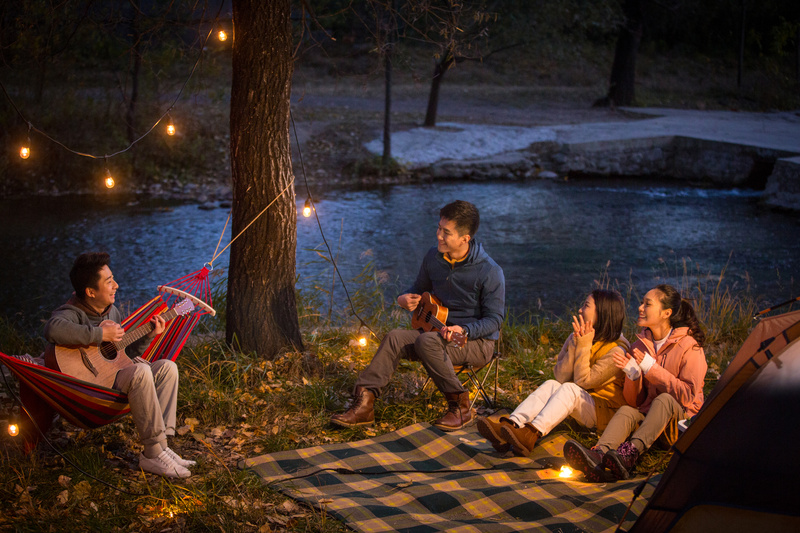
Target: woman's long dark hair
{"x": 682, "y": 312}
{"x": 610, "y": 314}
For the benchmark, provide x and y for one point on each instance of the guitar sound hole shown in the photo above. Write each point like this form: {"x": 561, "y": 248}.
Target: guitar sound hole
{"x": 108, "y": 350}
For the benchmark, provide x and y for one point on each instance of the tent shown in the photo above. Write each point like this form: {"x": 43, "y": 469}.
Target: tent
{"x": 737, "y": 466}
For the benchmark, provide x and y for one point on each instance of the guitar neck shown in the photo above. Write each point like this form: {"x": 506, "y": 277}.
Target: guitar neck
{"x": 136, "y": 334}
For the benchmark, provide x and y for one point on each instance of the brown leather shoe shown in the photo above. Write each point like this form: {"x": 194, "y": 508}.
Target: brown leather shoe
{"x": 458, "y": 413}
{"x": 522, "y": 439}
{"x": 490, "y": 430}
{"x": 360, "y": 413}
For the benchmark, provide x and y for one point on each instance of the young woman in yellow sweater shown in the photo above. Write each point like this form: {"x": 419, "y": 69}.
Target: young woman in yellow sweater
{"x": 587, "y": 384}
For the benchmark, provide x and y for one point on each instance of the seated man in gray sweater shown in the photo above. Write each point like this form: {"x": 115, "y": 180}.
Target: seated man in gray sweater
{"x": 462, "y": 276}
{"x": 90, "y": 318}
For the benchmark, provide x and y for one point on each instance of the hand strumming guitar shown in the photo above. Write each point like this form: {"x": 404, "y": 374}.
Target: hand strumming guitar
{"x": 112, "y": 332}
{"x": 408, "y": 301}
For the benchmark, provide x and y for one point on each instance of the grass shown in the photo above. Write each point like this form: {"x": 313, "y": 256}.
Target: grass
{"x": 234, "y": 405}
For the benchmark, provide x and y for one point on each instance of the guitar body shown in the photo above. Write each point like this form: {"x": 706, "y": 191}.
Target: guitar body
{"x": 431, "y": 315}
{"x": 428, "y": 312}
{"x": 95, "y": 364}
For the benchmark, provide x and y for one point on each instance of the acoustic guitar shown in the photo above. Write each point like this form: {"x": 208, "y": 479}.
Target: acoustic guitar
{"x": 431, "y": 315}
{"x": 99, "y": 364}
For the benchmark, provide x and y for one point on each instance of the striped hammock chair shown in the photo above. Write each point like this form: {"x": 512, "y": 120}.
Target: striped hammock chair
{"x": 86, "y": 404}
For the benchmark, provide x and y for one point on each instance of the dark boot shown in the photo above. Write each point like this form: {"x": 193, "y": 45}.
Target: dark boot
{"x": 620, "y": 462}
{"x": 590, "y": 462}
{"x": 360, "y": 413}
{"x": 522, "y": 439}
{"x": 490, "y": 430}
{"x": 458, "y": 413}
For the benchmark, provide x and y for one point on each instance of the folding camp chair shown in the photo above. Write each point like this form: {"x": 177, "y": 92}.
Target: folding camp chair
{"x": 475, "y": 383}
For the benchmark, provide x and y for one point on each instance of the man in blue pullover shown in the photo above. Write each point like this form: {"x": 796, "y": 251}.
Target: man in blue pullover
{"x": 471, "y": 286}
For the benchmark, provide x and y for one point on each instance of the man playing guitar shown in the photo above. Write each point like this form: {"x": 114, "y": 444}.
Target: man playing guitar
{"x": 89, "y": 319}
{"x": 467, "y": 282}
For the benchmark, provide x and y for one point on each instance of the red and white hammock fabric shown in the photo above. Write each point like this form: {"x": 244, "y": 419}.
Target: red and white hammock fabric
{"x": 87, "y": 405}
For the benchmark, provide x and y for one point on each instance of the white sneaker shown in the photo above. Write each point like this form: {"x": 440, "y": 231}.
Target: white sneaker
{"x": 186, "y": 463}
{"x": 163, "y": 465}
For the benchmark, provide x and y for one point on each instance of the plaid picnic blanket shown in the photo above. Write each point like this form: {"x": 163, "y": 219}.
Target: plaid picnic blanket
{"x": 419, "y": 479}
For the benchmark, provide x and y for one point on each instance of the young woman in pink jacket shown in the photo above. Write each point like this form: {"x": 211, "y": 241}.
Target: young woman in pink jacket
{"x": 665, "y": 371}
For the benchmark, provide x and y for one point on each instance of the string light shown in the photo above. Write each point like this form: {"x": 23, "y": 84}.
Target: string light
{"x": 170, "y": 127}
{"x": 25, "y": 150}
{"x": 109, "y": 181}
{"x": 307, "y": 208}
{"x": 13, "y": 425}
{"x": 565, "y": 471}
{"x": 362, "y": 341}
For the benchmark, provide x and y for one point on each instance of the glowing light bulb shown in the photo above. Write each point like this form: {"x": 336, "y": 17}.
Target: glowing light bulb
{"x": 24, "y": 152}
{"x": 565, "y": 471}
{"x": 170, "y": 129}
{"x": 222, "y": 35}
{"x": 362, "y": 341}
{"x": 307, "y": 208}
{"x": 109, "y": 181}
{"x": 13, "y": 429}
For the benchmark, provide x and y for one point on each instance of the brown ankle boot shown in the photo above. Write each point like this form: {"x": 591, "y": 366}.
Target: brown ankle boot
{"x": 490, "y": 430}
{"x": 458, "y": 413}
{"x": 522, "y": 439}
{"x": 360, "y": 413}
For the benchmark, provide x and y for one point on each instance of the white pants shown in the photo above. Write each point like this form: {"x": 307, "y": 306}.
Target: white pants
{"x": 553, "y": 402}
{"x": 153, "y": 394}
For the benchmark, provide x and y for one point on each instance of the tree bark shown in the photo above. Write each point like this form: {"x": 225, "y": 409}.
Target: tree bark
{"x": 621, "y": 90}
{"x": 436, "y": 83}
{"x": 261, "y": 306}
{"x": 387, "y": 108}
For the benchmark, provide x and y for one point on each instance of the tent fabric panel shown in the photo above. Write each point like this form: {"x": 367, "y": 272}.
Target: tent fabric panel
{"x": 745, "y": 455}
{"x": 766, "y": 328}
{"x": 709, "y": 517}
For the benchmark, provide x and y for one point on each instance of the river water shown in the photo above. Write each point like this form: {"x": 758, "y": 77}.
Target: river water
{"x": 554, "y": 240}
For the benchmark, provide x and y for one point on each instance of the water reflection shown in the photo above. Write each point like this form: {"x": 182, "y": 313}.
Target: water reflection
{"x": 553, "y": 240}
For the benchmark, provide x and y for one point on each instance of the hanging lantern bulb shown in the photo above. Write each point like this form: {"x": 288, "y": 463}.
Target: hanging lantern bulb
{"x": 25, "y": 149}
{"x": 13, "y": 425}
{"x": 170, "y": 127}
{"x": 307, "y": 208}
{"x": 109, "y": 181}
{"x": 362, "y": 341}
{"x": 222, "y": 35}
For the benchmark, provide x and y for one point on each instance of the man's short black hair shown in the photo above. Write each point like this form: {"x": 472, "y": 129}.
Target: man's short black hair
{"x": 86, "y": 272}
{"x": 464, "y": 214}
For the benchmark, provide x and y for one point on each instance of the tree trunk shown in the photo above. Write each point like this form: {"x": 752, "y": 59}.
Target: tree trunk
{"x": 743, "y": 26}
{"x": 261, "y": 307}
{"x": 433, "y": 97}
{"x": 136, "y": 64}
{"x": 621, "y": 89}
{"x": 387, "y": 108}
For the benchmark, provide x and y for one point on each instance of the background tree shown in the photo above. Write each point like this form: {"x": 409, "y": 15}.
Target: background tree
{"x": 261, "y": 306}
{"x": 622, "y": 84}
